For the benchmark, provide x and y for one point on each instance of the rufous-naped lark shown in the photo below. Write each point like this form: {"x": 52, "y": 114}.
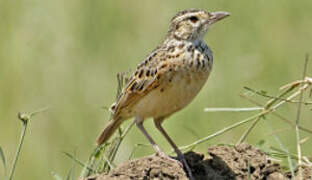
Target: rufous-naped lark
{"x": 169, "y": 78}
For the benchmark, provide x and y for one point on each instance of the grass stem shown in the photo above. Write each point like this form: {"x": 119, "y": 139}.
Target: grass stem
{"x": 297, "y": 121}
{"x": 25, "y": 120}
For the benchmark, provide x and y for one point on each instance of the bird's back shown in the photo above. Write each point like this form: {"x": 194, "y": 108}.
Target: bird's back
{"x": 166, "y": 81}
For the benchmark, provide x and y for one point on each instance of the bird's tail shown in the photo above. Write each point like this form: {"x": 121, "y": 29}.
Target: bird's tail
{"x": 109, "y": 130}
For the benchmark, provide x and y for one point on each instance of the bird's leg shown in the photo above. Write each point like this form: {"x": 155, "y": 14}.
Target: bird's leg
{"x": 174, "y": 146}
{"x": 139, "y": 123}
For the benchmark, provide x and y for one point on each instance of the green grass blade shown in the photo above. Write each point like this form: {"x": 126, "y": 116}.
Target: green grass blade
{"x": 78, "y": 161}
{"x": 70, "y": 174}
{"x": 3, "y": 159}
{"x": 56, "y": 176}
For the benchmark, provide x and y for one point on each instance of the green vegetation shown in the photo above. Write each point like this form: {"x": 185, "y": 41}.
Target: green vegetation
{"x": 66, "y": 54}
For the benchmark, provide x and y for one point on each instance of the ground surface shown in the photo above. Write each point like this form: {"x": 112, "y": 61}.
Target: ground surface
{"x": 222, "y": 162}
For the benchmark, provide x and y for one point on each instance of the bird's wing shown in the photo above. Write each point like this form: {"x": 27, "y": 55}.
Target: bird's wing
{"x": 147, "y": 77}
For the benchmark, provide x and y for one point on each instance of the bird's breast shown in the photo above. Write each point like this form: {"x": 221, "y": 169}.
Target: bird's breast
{"x": 179, "y": 86}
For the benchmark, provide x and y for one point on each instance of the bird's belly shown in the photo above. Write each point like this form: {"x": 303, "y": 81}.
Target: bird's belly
{"x": 172, "y": 95}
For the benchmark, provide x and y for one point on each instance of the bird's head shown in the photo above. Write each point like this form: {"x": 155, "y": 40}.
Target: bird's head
{"x": 193, "y": 24}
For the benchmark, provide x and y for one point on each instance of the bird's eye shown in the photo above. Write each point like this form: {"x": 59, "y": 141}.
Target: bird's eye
{"x": 194, "y": 19}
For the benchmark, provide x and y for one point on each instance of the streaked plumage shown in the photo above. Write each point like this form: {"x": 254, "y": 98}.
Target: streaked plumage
{"x": 170, "y": 77}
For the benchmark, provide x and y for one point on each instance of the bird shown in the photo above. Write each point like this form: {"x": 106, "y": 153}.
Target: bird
{"x": 168, "y": 79}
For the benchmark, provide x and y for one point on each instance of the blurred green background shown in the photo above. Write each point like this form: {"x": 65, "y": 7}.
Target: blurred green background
{"x": 65, "y": 55}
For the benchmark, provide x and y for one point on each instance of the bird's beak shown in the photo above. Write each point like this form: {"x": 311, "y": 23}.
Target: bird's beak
{"x": 217, "y": 16}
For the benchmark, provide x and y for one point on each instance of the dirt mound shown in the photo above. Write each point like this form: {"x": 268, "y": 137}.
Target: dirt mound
{"x": 224, "y": 162}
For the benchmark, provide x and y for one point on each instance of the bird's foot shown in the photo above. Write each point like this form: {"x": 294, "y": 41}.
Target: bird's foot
{"x": 182, "y": 159}
{"x": 165, "y": 156}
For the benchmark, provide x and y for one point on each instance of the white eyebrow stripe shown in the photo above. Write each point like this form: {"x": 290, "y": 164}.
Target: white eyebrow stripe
{"x": 186, "y": 15}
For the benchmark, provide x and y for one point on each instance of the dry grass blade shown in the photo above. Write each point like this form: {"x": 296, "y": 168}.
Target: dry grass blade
{"x": 270, "y": 105}
{"x": 233, "y": 109}
{"x": 276, "y": 152}
{"x": 298, "y": 119}
{"x": 302, "y": 141}
{"x": 109, "y": 163}
{"x": 307, "y": 160}
{"x": 305, "y": 83}
{"x": 249, "y": 129}
{"x": 114, "y": 146}
{"x": 273, "y": 98}
{"x": 277, "y": 131}
{"x": 276, "y": 114}
{"x": 103, "y": 156}
{"x": 222, "y": 131}
{"x": 277, "y": 139}
{"x": 282, "y": 153}
{"x": 136, "y": 146}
